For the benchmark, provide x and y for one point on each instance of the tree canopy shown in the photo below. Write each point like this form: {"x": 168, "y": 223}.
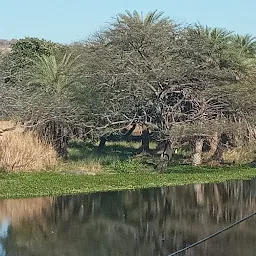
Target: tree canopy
{"x": 184, "y": 83}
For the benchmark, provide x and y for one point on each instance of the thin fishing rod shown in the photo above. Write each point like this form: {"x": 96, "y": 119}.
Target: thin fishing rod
{"x": 213, "y": 235}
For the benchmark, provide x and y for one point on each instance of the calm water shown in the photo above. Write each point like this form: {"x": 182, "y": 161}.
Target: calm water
{"x": 132, "y": 223}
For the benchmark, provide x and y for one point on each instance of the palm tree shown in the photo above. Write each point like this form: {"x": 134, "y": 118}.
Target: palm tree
{"x": 52, "y": 83}
{"x": 216, "y": 40}
{"x": 136, "y": 27}
{"x": 151, "y": 18}
{"x": 54, "y": 75}
{"x": 246, "y": 45}
{"x": 217, "y": 55}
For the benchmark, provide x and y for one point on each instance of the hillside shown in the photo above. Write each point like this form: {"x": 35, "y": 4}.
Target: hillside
{"x": 5, "y": 45}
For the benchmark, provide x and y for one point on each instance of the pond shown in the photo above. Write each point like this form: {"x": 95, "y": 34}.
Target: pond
{"x": 148, "y": 222}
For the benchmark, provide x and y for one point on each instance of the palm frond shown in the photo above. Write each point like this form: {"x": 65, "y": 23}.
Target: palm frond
{"x": 53, "y": 74}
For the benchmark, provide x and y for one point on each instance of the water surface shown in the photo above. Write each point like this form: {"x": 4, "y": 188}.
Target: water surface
{"x": 148, "y": 222}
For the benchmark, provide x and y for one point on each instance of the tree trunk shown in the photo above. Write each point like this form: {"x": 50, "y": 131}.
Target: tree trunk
{"x": 218, "y": 155}
{"x": 61, "y": 146}
{"x": 144, "y": 142}
{"x": 102, "y": 144}
{"x": 61, "y": 139}
{"x": 166, "y": 154}
{"x": 56, "y": 134}
{"x": 197, "y": 157}
{"x": 213, "y": 146}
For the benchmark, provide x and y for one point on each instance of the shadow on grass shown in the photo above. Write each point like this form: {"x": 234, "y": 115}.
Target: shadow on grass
{"x": 117, "y": 154}
{"x": 86, "y": 152}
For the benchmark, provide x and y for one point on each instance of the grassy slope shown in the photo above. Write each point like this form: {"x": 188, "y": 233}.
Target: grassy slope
{"x": 119, "y": 173}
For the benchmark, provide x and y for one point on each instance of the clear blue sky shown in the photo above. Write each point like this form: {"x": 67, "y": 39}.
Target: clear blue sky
{"x": 67, "y": 21}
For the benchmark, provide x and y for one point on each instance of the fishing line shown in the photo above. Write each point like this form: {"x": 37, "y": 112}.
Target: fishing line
{"x": 213, "y": 235}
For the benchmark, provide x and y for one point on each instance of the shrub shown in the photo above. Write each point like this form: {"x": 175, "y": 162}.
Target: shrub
{"x": 128, "y": 166}
{"x": 239, "y": 155}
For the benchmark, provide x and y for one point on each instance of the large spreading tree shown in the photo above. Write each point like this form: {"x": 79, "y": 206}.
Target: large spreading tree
{"x": 183, "y": 84}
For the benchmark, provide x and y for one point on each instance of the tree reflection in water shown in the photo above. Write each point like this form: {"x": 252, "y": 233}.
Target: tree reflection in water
{"x": 134, "y": 223}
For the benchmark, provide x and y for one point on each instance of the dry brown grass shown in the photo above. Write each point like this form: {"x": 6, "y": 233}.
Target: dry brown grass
{"x": 89, "y": 168}
{"x": 25, "y": 151}
{"x": 239, "y": 155}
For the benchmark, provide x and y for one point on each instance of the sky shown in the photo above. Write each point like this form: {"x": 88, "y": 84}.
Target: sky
{"x": 68, "y": 21}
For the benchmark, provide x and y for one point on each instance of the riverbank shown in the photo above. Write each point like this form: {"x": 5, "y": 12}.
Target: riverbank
{"x": 17, "y": 185}
{"x": 115, "y": 168}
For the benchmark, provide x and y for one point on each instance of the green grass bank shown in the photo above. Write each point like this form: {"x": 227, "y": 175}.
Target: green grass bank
{"x": 17, "y": 185}
{"x": 87, "y": 171}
